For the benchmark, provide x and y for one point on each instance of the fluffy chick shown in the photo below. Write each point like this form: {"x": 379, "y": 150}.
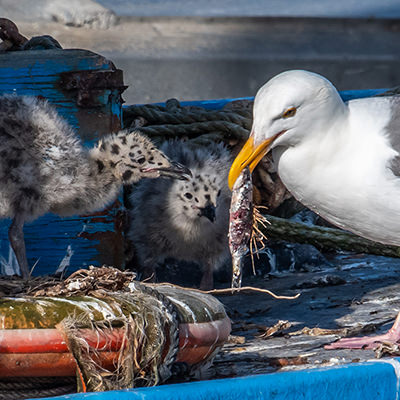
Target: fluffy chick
{"x": 44, "y": 167}
{"x": 187, "y": 221}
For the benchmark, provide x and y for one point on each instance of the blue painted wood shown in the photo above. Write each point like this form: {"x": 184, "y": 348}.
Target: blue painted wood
{"x": 93, "y": 239}
{"x": 218, "y": 104}
{"x": 360, "y": 94}
{"x": 363, "y": 381}
{"x": 37, "y": 73}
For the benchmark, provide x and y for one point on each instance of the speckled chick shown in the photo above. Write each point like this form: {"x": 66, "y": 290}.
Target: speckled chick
{"x": 45, "y": 168}
{"x": 188, "y": 220}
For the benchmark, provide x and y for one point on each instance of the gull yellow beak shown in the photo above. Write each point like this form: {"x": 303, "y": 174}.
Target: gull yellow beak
{"x": 249, "y": 156}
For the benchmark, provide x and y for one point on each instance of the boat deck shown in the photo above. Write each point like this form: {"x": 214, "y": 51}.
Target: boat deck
{"x": 358, "y": 291}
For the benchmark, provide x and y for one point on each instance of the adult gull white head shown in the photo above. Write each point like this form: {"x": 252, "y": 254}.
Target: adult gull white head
{"x": 340, "y": 159}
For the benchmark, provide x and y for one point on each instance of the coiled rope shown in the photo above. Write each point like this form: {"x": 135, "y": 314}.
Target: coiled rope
{"x": 172, "y": 120}
{"x": 231, "y": 125}
{"x": 14, "y": 389}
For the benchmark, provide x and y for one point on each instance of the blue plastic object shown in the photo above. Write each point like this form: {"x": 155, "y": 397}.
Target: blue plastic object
{"x": 377, "y": 380}
{"x": 219, "y": 103}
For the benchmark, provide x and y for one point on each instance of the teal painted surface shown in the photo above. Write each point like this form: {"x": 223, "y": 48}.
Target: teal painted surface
{"x": 364, "y": 381}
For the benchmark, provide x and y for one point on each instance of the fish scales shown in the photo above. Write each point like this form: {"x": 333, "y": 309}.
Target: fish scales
{"x": 240, "y": 223}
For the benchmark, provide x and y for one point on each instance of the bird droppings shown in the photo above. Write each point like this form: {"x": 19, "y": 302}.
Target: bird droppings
{"x": 326, "y": 280}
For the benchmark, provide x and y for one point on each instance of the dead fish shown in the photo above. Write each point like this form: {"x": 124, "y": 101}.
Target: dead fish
{"x": 240, "y": 223}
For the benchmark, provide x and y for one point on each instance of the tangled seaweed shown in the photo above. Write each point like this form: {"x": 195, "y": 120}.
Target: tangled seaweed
{"x": 149, "y": 343}
{"x": 142, "y": 358}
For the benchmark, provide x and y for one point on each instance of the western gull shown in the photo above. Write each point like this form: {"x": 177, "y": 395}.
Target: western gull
{"x": 187, "y": 221}
{"x": 44, "y": 167}
{"x": 340, "y": 159}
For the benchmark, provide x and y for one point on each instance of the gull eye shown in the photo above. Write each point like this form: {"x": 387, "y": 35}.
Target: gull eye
{"x": 188, "y": 195}
{"x": 290, "y": 112}
{"x": 141, "y": 160}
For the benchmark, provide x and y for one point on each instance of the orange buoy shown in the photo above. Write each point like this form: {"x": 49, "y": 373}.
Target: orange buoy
{"x": 43, "y": 351}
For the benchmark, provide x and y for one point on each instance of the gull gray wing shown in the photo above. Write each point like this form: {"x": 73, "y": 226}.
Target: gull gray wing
{"x": 393, "y": 133}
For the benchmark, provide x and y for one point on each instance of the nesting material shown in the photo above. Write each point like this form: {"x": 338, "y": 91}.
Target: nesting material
{"x": 86, "y": 282}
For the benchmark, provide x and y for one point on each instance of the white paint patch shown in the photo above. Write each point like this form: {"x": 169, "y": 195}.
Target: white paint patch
{"x": 208, "y": 313}
{"x": 88, "y": 306}
{"x": 65, "y": 262}
{"x": 9, "y": 267}
{"x": 272, "y": 260}
{"x": 186, "y": 341}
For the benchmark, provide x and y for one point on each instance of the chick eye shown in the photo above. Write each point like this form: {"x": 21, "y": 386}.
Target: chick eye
{"x": 188, "y": 195}
{"x": 141, "y": 160}
{"x": 290, "y": 112}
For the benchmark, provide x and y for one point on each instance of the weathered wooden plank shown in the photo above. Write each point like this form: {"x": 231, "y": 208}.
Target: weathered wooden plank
{"x": 38, "y": 73}
{"x": 362, "y": 293}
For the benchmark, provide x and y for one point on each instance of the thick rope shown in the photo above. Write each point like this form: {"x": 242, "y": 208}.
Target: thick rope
{"x": 181, "y": 116}
{"x": 37, "y": 393}
{"x": 203, "y": 127}
{"x": 173, "y": 105}
{"x": 172, "y": 120}
{"x": 36, "y": 387}
{"x": 229, "y": 130}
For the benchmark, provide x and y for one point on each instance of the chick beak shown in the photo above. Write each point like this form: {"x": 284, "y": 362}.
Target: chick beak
{"x": 208, "y": 211}
{"x": 250, "y": 155}
{"x": 176, "y": 171}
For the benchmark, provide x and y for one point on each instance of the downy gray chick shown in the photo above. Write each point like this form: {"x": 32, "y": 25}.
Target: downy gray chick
{"x": 188, "y": 220}
{"x": 45, "y": 168}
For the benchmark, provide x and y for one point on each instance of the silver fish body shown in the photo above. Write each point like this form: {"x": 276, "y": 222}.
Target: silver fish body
{"x": 240, "y": 223}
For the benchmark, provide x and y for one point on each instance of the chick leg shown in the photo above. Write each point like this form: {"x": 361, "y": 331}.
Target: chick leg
{"x": 147, "y": 268}
{"x": 148, "y": 274}
{"x": 369, "y": 342}
{"x": 207, "y": 280}
{"x": 17, "y": 241}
